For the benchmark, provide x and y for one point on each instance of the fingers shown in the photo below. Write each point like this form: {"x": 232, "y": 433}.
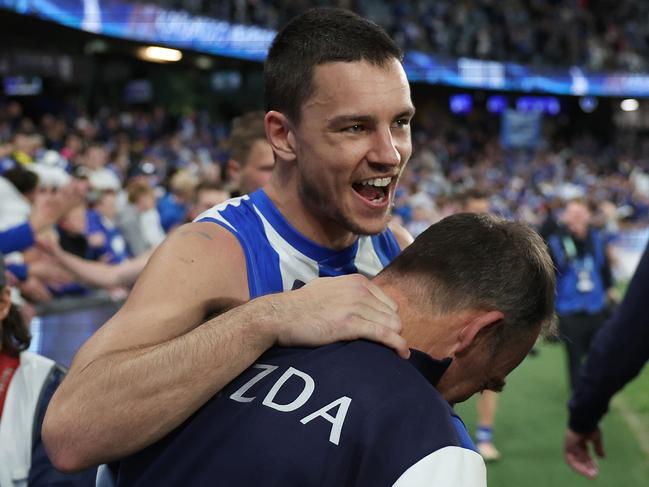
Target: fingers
{"x": 577, "y": 454}
{"x": 379, "y": 294}
{"x": 377, "y": 312}
{"x": 346, "y": 308}
{"x": 598, "y": 444}
{"x": 381, "y": 334}
{"x": 582, "y": 463}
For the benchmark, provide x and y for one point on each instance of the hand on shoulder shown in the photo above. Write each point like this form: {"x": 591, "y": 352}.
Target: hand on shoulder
{"x": 332, "y": 309}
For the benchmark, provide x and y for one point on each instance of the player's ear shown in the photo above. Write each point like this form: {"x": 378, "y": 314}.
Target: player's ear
{"x": 480, "y": 321}
{"x": 233, "y": 169}
{"x": 279, "y": 132}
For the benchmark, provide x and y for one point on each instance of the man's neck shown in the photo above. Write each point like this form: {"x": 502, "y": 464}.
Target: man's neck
{"x": 422, "y": 331}
{"x": 322, "y": 231}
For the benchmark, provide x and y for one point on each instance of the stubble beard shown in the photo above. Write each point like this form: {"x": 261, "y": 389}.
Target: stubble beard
{"x": 321, "y": 205}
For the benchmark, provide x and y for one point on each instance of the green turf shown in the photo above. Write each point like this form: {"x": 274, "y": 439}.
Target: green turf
{"x": 530, "y": 426}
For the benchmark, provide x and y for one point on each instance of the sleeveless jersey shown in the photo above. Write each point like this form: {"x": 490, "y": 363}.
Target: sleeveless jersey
{"x": 279, "y": 258}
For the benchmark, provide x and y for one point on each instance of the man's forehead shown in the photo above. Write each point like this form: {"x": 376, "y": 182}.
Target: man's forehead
{"x": 358, "y": 85}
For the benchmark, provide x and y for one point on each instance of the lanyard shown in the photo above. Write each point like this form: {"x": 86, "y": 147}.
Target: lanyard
{"x": 570, "y": 247}
{"x": 585, "y": 264}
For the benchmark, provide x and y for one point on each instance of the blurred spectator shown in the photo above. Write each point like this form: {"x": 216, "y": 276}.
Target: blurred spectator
{"x": 584, "y": 282}
{"x": 22, "y": 150}
{"x": 94, "y": 161}
{"x": 104, "y": 237}
{"x": 32, "y": 271}
{"x": 18, "y": 188}
{"x": 27, "y": 383}
{"x": 207, "y": 196}
{"x": 139, "y": 221}
{"x": 174, "y": 206}
{"x": 251, "y": 157}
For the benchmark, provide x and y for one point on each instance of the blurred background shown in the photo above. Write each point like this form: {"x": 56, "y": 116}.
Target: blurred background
{"x": 523, "y": 105}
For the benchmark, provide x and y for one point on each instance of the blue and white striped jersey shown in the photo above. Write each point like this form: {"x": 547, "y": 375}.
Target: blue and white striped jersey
{"x": 346, "y": 414}
{"x": 279, "y": 258}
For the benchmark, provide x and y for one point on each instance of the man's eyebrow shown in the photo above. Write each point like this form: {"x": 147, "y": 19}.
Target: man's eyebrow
{"x": 350, "y": 118}
{"x": 409, "y": 112}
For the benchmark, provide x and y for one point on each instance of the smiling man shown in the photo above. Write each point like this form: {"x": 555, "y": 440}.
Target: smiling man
{"x": 338, "y": 121}
{"x": 355, "y": 414}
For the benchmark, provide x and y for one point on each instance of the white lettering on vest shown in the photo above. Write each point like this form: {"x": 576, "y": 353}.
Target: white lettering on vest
{"x": 309, "y": 387}
{"x": 238, "y": 395}
{"x": 337, "y": 422}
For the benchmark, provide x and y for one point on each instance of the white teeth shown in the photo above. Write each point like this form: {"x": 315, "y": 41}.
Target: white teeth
{"x": 378, "y": 182}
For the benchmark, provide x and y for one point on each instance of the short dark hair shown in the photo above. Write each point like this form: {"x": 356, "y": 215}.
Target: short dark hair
{"x": 480, "y": 261}
{"x": 246, "y": 129}
{"x": 319, "y": 36}
{"x": 15, "y": 335}
{"x": 24, "y": 180}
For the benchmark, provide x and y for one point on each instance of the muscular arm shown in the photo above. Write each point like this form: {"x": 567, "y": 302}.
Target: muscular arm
{"x": 151, "y": 366}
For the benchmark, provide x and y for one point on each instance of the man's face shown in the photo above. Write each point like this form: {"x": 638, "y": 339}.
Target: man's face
{"x": 74, "y": 221}
{"x": 22, "y": 143}
{"x": 107, "y": 205}
{"x": 96, "y": 158}
{"x": 257, "y": 169}
{"x": 146, "y": 202}
{"x": 576, "y": 217}
{"x": 481, "y": 368}
{"x": 206, "y": 199}
{"x": 352, "y": 143}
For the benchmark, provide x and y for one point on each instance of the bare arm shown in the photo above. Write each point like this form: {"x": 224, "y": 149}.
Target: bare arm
{"x": 141, "y": 366}
{"x": 151, "y": 366}
{"x": 99, "y": 274}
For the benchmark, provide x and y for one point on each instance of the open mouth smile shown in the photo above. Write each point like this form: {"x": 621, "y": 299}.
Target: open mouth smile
{"x": 375, "y": 192}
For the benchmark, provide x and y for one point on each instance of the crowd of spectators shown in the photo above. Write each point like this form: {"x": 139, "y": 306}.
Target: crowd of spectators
{"x": 453, "y": 159}
{"x": 589, "y": 33}
{"x": 139, "y": 176}
{"x": 143, "y": 173}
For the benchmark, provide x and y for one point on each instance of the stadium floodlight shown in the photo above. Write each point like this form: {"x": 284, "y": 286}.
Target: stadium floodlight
{"x": 629, "y": 105}
{"x": 160, "y": 54}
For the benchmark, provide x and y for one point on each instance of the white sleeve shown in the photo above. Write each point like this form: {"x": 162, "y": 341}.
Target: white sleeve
{"x": 451, "y": 466}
